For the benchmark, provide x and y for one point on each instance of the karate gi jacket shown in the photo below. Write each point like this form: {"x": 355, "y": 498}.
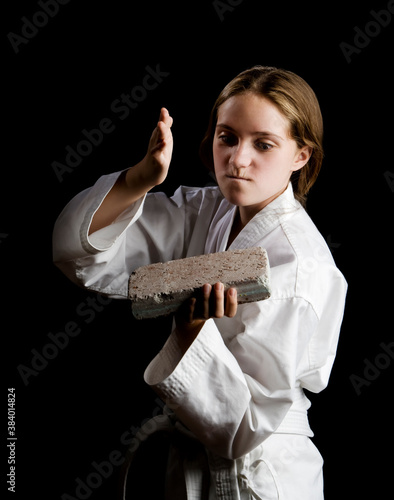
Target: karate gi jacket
{"x": 239, "y": 387}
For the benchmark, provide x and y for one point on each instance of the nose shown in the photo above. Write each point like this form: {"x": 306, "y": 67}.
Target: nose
{"x": 241, "y": 157}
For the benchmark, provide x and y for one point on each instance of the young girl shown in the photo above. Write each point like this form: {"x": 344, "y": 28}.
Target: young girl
{"x": 234, "y": 375}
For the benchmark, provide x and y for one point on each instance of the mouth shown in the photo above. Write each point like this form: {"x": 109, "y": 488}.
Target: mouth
{"x": 241, "y": 179}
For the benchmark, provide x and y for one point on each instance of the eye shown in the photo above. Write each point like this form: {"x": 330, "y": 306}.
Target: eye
{"x": 263, "y": 146}
{"x": 227, "y": 139}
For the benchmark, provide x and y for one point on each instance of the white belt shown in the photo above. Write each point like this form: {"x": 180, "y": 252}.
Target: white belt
{"x": 295, "y": 422}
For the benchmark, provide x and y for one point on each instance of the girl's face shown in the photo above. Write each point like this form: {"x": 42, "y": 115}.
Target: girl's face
{"x": 254, "y": 155}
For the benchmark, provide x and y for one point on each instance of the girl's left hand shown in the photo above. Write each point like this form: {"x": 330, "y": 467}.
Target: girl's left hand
{"x": 213, "y": 303}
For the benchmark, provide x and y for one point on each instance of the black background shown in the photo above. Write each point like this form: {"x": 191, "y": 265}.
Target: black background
{"x": 74, "y": 411}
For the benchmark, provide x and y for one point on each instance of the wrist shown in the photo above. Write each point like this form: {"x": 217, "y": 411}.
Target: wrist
{"x": 187, "y": 333}
{"x": 136, "y": 178}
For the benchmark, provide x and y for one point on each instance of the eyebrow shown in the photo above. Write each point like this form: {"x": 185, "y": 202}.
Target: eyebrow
{"x": 265, "y": 133}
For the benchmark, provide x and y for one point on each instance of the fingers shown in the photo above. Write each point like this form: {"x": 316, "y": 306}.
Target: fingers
{"x": 206, "y": 293}
{"x": 217, "y": 304}
{"x": 162, "y": 133}
{"x": 164, "y": 124}
{"x": 213, "y": 302}
{"x": 165, "y": 117}
{"x": 231, "y": 303}
{"x": 218, "y": 300}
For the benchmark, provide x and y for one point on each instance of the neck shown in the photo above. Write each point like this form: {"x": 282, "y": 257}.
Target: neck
{"x": 246, "y": 214}
{"x": 236, "y": 228}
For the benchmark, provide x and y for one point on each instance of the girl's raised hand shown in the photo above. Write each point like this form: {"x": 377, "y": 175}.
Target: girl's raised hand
{"x": 158, "y": 157}
{"x": 134, "y": 183}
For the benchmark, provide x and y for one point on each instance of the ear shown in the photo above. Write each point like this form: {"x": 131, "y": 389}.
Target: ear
{"x": 302, "y": 157}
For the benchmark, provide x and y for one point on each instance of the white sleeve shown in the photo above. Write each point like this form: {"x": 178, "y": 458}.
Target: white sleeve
{"x": 234, "y": 395}
{"x": 70, "y": 235}
{"x": 103, "y": 261}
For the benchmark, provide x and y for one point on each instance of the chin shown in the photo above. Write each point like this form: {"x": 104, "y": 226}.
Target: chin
{"x": 237, "y": 199}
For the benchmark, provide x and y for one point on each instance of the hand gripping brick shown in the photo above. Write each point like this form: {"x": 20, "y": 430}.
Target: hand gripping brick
{"x": 159, "y": 289}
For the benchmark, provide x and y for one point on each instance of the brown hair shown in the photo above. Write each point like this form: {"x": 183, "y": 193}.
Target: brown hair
{"x": 295, "y": 100}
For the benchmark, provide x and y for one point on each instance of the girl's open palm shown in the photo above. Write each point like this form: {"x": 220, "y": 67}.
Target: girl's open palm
{"x": 158, "y": 157}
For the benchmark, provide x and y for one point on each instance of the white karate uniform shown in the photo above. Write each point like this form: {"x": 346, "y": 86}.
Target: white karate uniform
{"x": 239, "y": 387}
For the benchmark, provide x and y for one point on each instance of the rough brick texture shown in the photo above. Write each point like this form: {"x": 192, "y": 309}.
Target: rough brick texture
{"x": 159, "y": 289}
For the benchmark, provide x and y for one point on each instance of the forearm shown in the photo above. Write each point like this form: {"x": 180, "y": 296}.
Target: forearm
{"x": 129, "y": 188}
